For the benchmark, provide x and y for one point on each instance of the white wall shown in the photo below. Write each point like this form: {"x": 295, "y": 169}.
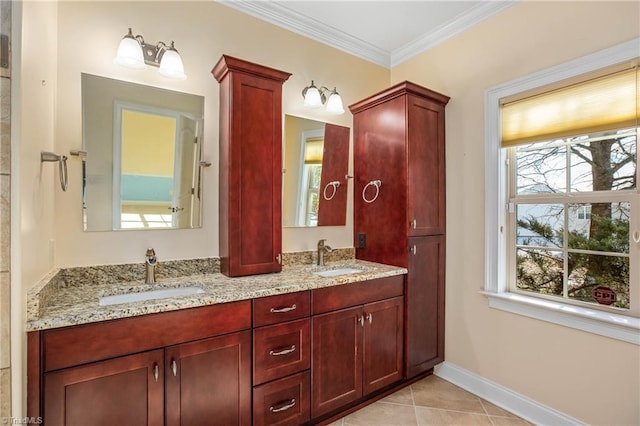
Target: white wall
{"x": 592, "y": 378}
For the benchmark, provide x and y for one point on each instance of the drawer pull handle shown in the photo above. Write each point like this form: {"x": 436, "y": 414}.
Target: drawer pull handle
{"x": 283, "y": 407}
{"x": 285, "y": 309}
{"x": 361, "y": 320}
{"x": 174, "y": 367}
{"x": 156, "y": 371}
{"x": 370, "y": 318}
{"x": 283, "y": 351}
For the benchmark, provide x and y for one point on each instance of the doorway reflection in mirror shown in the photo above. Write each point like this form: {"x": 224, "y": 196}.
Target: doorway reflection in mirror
{"x": 144, "y": 146}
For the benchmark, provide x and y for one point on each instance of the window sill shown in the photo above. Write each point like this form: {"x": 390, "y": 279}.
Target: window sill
{"x": 615, "y": 326}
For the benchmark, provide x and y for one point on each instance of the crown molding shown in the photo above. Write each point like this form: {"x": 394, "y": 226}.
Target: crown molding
{"x": 284, "y": 17}
{"x": 459, "y": 24}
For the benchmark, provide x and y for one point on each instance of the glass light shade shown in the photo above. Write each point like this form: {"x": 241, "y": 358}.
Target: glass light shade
{"x": 312, "y": 97}
{"x": 334, "y": 104}
{"x": 171, "y": 65}
{"x": 129, "y": 53}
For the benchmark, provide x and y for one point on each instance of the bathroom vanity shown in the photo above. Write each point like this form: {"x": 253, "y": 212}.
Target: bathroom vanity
{"x": 156, "y": 369}
{"x": 295, "y": 347}
{"x": 257, "y": 339}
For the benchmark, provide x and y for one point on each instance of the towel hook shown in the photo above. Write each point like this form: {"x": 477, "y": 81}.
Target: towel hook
{"x": 50, "y": 157}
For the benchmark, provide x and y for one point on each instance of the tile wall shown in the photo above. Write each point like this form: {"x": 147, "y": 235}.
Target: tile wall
{"x": 5, "y": 209}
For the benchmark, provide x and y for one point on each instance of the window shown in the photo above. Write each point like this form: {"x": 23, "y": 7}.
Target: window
{"x": 310, "y": 174}
{"x": 562, "y": 201}
{"x": 570, "y": 204}
{"x": 311, "y": 197}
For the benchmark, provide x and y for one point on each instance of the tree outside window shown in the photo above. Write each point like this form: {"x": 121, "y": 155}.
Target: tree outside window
{"x": 572, "y": 203}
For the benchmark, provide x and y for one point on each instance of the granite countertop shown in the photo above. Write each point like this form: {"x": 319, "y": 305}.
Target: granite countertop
{"x": 54, "y": 303}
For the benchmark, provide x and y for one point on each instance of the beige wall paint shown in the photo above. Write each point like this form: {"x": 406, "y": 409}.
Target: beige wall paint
{"x": 202, "y": 31}
{"x": 551, "y": 364}
{"x": 34, "y": 184}
{"x": 148, "y": 144}
{"x": 60, "y": 40}
{"x": 592, "y": 378}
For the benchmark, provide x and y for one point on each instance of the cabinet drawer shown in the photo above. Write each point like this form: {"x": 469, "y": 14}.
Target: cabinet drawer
{"x": 280, "y": 350}
{"x": 283, "y": 402}
{"x": 280, "y": 308}
{"x": 69, "y": 346}
{"x": 343, "y": 296}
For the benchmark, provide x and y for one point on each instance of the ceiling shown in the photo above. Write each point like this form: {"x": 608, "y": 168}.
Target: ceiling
{"x": 384, "y": 32}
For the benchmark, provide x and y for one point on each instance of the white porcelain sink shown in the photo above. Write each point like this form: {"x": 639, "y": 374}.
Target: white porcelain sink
{"x": 337, "y": 272}
{"x": 149, "y": 295}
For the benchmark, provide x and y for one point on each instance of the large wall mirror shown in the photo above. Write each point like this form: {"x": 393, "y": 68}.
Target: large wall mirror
{"x": 142, "y": 168}
{"x": 315, "y": 179}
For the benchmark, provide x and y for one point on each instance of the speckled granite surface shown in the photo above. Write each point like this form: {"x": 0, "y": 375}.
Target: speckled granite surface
{"x": 71, "y": 296}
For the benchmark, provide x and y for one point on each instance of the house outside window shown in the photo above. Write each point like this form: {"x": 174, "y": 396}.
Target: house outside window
{"x": 570, "y": 205}
{"x": 562, "y": 200}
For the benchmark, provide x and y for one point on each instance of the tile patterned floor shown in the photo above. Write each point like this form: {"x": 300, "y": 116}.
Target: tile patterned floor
{"x": 431, "y": 401}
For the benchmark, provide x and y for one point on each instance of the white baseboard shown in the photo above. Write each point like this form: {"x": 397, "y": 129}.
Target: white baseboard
{"x": 517, "y": 404}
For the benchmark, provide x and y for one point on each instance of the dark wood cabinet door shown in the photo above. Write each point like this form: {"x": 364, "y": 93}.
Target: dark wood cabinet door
{"x": 209, "y": 381}
{"x": 426, "y": 173}
{"x": 403, "y": 129}
{"x": 336, "y": 368}
{"x": 250, "y": 166}
{"x": 383, "y": 344}
{"x": 379, "y": 134}
{"x": 119, "y": 391}
{"x": 332, "y": 201}
{"x": 425, "y": 304}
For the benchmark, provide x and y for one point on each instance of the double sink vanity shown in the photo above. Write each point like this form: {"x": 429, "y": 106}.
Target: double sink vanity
{"x": 258, "y": 336}
{"x": 290, "y": 348}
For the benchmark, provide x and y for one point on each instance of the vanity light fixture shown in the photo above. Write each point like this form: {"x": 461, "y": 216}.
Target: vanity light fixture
{"x": 134, "y": 52}
{"x": 315, "y": 97}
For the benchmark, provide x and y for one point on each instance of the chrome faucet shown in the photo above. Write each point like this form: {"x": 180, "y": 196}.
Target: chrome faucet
{"x": 322, "y": 249}
{"x": 150, "y": 264}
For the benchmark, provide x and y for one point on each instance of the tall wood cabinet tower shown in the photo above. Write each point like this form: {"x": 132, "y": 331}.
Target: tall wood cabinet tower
{"x": 250, "y": 166}
{"x": 399, "y": 205}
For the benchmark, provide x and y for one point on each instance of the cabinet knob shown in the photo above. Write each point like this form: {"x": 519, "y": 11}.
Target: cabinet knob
{"x": 414, "y": 224}
{"x": 413, "y": 249}
{"x": 283, "y": 406}
{"x": 278, "y": 352}
{"x": 174, "y": 367}
{"x": 156, "y": 371}
{"x": 370, "y": 317}
{"x": 361, "y": 320}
